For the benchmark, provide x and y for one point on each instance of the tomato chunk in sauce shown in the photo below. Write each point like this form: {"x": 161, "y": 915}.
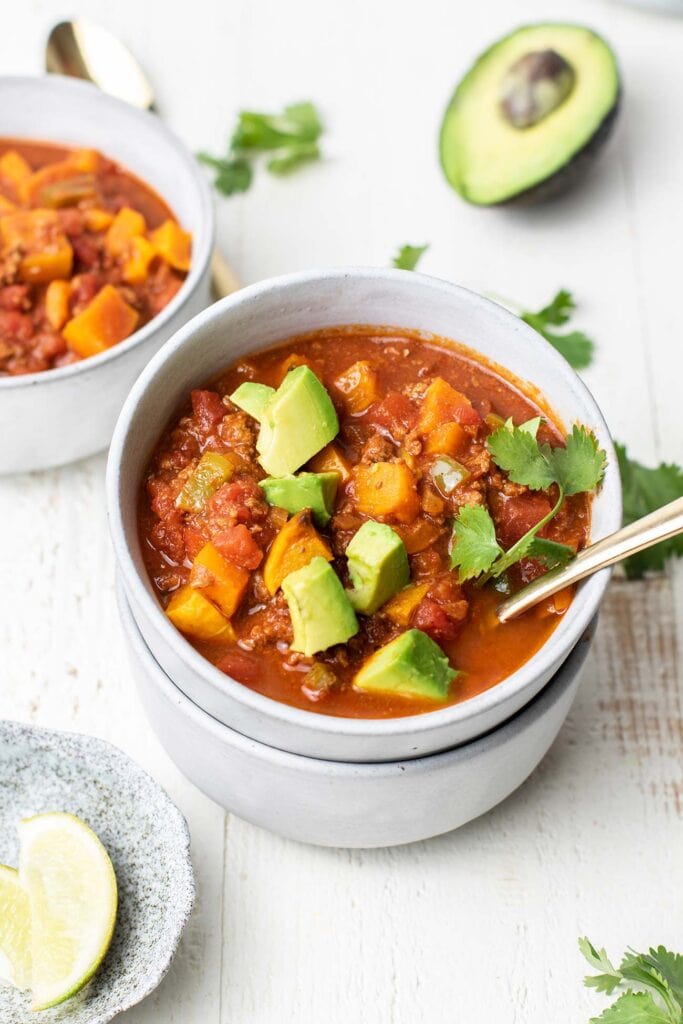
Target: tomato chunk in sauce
{"x": 413, "y": 401}
{"x": 88, "y": 254}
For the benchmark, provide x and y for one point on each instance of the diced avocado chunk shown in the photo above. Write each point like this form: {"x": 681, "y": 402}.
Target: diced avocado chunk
{"x": 306, "y": 490}
{"x": 252, "y": 398}
{"x": 319, "y": 607}
{"x": 297, "y": 422}
{"x": 378, "y": 566}
{"x": 412, "y": 665}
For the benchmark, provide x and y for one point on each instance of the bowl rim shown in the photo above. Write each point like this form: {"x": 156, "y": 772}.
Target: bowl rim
{"x": 148, "y": 122}
{"x": 582, "y": 609}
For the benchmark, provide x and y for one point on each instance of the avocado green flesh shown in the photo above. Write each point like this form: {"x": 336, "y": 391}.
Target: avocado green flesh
{"x": 412, "y": 665}
{"x": 485, "y": 158}
{"x": 252, "y": 398}
{"x": 378, "y": 566}
{"x": 297, "y": 422}
{"x": 305, "y": 490}
{"x": 319, "y": 608}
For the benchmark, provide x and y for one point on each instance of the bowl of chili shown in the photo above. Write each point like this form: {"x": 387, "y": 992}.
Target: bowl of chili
{"x": 291, "y": 537}
{"x": 106, "y": 230}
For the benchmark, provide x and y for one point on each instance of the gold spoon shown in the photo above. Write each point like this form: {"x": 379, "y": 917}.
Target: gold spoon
{"x": 660, "y": 525}
{"x": 83, "y": 49}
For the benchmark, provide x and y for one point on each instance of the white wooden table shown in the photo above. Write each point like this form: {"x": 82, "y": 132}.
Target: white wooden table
{"x": 480, "y": 925}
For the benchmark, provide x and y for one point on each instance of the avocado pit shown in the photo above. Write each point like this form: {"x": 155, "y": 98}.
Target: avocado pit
{"x": 534, "y": 86}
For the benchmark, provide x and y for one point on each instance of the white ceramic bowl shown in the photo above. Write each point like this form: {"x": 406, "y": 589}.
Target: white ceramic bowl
{"x": 329, "y": 803}
{"x": 51, "y": 418}
{"x": 259, "y": 316}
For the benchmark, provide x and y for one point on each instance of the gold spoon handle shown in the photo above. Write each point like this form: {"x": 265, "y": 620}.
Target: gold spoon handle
{"x": 224, "y": 281}
{"x": 665, "y": 522}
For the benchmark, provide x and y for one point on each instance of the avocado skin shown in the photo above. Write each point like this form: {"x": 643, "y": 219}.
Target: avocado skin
{"x": 564, "y": 178}
{"x": 573, "y": 172}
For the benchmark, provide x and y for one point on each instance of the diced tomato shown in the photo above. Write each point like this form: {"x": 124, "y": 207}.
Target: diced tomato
{"x": 49, "y": 344}
{"x": 515, "y": 515}
{"x": 208, "y": 410}
{"x": 240, "y": 501}
{"x": 194, "y": 540}
{"x": 15, "y": 326}
{"x": 86, "y": 252}
{"x": 241, "y": 666}
{"x": 395, "y": 413}
{"x": 167, "y": 536}
{"x": 84, "y": 288}
{"x": 72, "y": 221}
{"x": 238, "y": 546}
{"x": 467, "y": 416}
{"x": 14, "y": 297}
{"x": 431, "y": 618}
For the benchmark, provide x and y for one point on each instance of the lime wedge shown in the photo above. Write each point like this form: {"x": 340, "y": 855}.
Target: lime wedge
{"x": 71, "y": 889}
{"x": 15, "y": 930}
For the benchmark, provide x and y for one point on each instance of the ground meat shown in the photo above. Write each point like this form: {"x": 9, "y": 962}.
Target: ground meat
{"x": 377, "y": 449}
{"x": 238, "y": 431}
{"x": 270, "y": 625}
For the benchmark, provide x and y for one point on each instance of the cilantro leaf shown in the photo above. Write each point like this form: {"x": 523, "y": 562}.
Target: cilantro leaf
{"x": 551, "y": 553}
{"x": 580, "y": 465}
{"x": 669, "y": 966}
{"x": 298, "y": 123}
{"x": 291, "y": 137}
{"x": 575, "y": 346}
{"x": 233, "y": 174}
{"x": 633, "y": 1008}
{"x": 646, "y": 489}
{"x": 475, "y": 547}
{"x": 609, "y": 976}
{"x": 516, "y": 450}
{"x": 292, "y": 157}
{"x": 408, "y": 256}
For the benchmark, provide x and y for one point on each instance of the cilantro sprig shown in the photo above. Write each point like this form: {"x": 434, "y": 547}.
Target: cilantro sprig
{"x": 577, "y": 467}
{"x": 575, "y": 346}
{"x": 651, "y": 985}
{"x": 646, "y": 489}
{"x": 408, "y": 256}
{"x": 292, "y": 139}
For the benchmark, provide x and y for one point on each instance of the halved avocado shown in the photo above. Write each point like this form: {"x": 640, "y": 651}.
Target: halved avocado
{"x": 526, "y": 119}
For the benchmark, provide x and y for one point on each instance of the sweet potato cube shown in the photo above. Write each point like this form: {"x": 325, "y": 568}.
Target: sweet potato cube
{"x": 438, "y": 405}
{"x": 291, "y": 362}
{"x": 125, "y": 226}
{"x": 57, "y": 297}
{"x": 419, "y": 534}
{"x": 140, "y": 255}
{"x": 6, "y": 206}
{"x": 38, "y": 237}
{"x": 359, "y": 385}
{"x": 98, "y": 220}
{"x": 173, "y": 244}
{"x": 401, "y": 607}
{"x": 386, "y": 489}
{"x": 295, "y": 545}
{"x": 448, "y": 439}
{"x": 14, "y": 167}
{"x": 331, "y": 460}
{"x": 218, "y": 579}
{"x": 195, "y": 616}
{"x": 105, "y": 321}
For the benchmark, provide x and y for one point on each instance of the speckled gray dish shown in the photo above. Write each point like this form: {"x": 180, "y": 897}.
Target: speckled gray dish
{"x": 146, "y": 837}
{"x": 331, "y": 803}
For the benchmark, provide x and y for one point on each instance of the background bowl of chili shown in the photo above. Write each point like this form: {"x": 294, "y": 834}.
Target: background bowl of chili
{"x": 257, "y": 318}
{"x": 56, "y": 416}
{"x": 328, "y": 803}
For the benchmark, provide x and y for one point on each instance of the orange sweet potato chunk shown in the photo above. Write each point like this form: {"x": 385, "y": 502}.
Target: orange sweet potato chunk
{"x": 386, "y": 490}
{"x": 126, "y": 225}
{"x": 218, "y": 579}
{"x": 359, "y": 385}
{"x": 401, "y": 607}
{"x": 295, "y": 545}
{"x": 195, "y": 616}
{"x": 173, "y": 244}
{"x": 439, "y": 404}
{"x": 57, "y": 295}
{"x": 107, "y": 320}
{"x": 14, "y": 167}
{"x": 331, "y": 460}
{"x": 448, "y": 439}
{"x": 136, "y": 265}
{"x": 38, "y": 237}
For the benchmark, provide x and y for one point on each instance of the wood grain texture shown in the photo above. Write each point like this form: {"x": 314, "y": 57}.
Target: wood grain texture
{"x": 479, "y": 925}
